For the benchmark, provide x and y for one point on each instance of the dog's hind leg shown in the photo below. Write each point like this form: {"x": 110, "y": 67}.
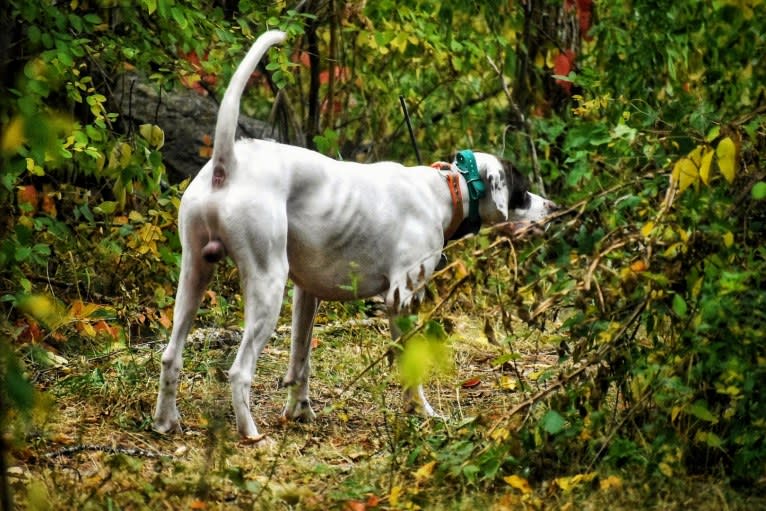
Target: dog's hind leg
{"x": 298, "y": 406}
{"x": 194, "y": 278}
{"x": 263, "y": 283}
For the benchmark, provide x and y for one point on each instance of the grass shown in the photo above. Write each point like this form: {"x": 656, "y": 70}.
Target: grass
{"x": 92, "y": 446}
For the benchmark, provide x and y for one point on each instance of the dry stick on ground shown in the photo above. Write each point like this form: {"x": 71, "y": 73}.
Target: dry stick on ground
{"x": 135, "y": 452}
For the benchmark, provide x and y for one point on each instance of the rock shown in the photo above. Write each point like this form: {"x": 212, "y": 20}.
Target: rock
{"x": 185, "y": 116}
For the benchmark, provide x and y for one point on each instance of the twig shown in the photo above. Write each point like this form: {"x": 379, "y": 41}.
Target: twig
{"x": 564, "y": 379}
{"x": 128, "y": 451}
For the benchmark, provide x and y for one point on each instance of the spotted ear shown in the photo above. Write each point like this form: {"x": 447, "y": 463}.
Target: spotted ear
{"x": 497, "y": 188}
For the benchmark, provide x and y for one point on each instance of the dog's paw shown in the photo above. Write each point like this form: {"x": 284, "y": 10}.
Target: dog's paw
{"x": 166, "y": 427}
{"x": 299, "y": 411}
{"x": 260, "y": 441}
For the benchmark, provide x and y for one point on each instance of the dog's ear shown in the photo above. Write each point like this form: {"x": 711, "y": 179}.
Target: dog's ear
{"x": 518, "y": 186}
{"x": 496, "y": 180}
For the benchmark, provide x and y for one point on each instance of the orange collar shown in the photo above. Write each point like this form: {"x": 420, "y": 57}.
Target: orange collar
{"x": 453, "y": 182}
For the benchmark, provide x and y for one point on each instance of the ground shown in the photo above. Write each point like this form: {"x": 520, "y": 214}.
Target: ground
{"x": 93, "y": 448}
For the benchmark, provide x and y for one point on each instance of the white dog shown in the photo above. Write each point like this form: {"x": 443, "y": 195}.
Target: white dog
{"x": 339, "y": 230}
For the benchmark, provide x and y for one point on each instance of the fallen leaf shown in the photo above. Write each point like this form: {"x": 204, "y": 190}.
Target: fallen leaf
{"x": 518, "y": 483}
{"x": 425, "y": 471}
{"x": 393, "y": 497}
{"x": 471, "y": 383}
{"x": 569, "y": 483}
{"x": 354, "y": 505}
{"x": 610, "y": 482}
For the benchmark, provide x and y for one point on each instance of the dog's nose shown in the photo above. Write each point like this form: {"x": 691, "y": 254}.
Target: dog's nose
{"x": 552, "y": 206}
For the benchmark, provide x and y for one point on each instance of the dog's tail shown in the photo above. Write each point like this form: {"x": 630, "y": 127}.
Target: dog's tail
{"x": 226, "y": 126}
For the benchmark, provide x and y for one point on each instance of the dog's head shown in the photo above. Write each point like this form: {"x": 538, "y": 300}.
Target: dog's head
{"x": 508, "y": 197}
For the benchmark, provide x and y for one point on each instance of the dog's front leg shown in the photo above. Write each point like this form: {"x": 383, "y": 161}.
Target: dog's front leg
{"x": 414, "y": 396}
{"x": 298, "y": 406}
{"x": 194, "y": 278}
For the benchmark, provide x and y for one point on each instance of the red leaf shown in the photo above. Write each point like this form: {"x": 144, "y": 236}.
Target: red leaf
{"x": 471, "y": 383}
{"x": 562, "y": 65}
{"x": 30, "y": 332}
{"x": 28, "y": 195}
{"x": 354, "y": 505}
{"x": 48, "y": 205}
{"x": 585, "y": 17}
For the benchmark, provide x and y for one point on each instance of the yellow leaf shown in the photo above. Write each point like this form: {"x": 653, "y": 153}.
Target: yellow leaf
{"x": 88, "y": 330}
{"x": 666, "y": 469}
{"x": 550, "y": 58}
{"x": 518, "y": 483}
{"x": 507, "y": 383}
{"x": 13, "y": 135}
{"x": 684, "y": 173}
{"x": 424, "y": 472}
{"x": 727, "y": 157}
{"x": 45, "y": 309}
{"x": 646, "y": 230}
{"x": 610, "y": 482}
{"x": 707, "y": 159}
{"x": 120, "y": 156}
{"x": 152, "y": 134}
{"x": 500, "y": 434}
{"x": 696, "y": 155}
{"x": 135, "y": 216}
{"x": 393, "y": 498}
{"x": 728, "y": 239}
{"x": 569, "y": 483}
{"x": 673, "y": 250}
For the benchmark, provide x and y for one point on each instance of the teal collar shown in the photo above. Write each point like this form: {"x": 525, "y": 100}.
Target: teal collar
{"x": 466, "y": 165}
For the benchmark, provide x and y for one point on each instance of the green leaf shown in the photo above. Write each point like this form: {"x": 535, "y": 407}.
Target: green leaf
{"x": 679, "y": 306}
{"x": 759, "y": 191}
{"x": 19, "y": 391}
{"x": 23, "y": 253}
{"x": 713, "y": 134}
{"x": 700, "y": 410}
{"x": 106, "y": 208}
{"x": 93, "y": 19}
{"x": 34, "y": 34}
{"x": 552, "y": 422}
